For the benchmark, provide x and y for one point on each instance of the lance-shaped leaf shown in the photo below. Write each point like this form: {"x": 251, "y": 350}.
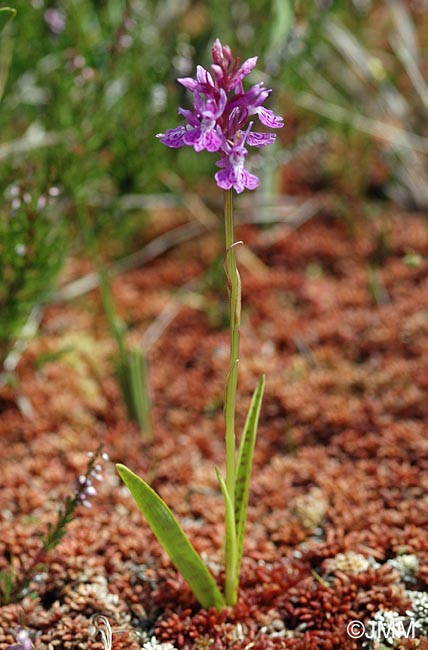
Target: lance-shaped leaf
{"x": 232, "y": 576}
{"x": 172, "y": 538}
{"x": 244, "y": 466}
{"x": 6, "y": 14}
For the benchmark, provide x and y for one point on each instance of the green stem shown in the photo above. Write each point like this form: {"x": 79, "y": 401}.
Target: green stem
{"x": 234, "y": 289}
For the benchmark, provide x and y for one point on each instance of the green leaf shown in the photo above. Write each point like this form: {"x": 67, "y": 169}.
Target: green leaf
{"x": 6, "y": 14}
{"x": 232, "y": 577}
{"x": 244, "y": 466}
{"x": 172, "y": 538}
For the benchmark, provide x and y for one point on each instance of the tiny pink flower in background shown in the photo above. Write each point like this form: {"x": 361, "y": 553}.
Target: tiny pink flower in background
{"x": 56, "y": 20}
{"x": 23, "y": 641}
{"x": 219, "y": 121}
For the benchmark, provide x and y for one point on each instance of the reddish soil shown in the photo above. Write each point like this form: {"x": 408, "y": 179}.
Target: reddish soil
{"x": 337, "y": 526}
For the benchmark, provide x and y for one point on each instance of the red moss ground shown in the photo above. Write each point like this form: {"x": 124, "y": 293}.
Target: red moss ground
{"x": 338, "y": 515}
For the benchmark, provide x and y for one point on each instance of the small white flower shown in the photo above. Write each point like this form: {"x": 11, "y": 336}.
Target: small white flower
{"x": 20, "y": 249}
{"x": 13, "y": 191}
{"x": 79, "y": 61}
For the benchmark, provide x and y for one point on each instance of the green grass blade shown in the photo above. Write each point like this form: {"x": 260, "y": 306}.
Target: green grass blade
{"x": 6, "y": 15}
{"x": 172, "y": 538}
{"x": 232, "y": 577}
{"x": 244, "y": 466}
{"x": 282, "y": 22}
{"x": 116, "y": 326}
{"x": 140, "y": 391}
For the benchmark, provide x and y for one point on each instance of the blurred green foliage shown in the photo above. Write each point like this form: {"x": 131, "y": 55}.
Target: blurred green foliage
{"x": 101, "y": 76}
{"x": 88, "y": 85}
{"x": 364, "y": 78}
{"x": 131, "y": 366}
{"x": 31, "y": 254}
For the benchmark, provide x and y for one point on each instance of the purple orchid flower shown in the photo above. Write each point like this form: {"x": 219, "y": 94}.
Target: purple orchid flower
{"x": 268, "y": 118}
{"x": 202, "y": 130}
{"x": 173, "y": 138}
{"x": 207, "y": 134}
{"x": 219, "y": 121}
{"x": 233, "y": 173}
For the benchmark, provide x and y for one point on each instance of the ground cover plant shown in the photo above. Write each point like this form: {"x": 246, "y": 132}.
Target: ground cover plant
{"x": 336, "y": 518}
{"x": 332, "y": 309}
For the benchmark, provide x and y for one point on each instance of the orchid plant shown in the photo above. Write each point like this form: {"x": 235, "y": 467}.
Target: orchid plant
{"x": 221, "y": 123}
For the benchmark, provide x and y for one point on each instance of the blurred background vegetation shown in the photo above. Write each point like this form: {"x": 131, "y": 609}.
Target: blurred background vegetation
{"x": 87, "y": 84}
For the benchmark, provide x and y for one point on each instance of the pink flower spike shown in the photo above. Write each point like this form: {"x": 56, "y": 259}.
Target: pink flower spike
{"x": 220, "y": 116}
